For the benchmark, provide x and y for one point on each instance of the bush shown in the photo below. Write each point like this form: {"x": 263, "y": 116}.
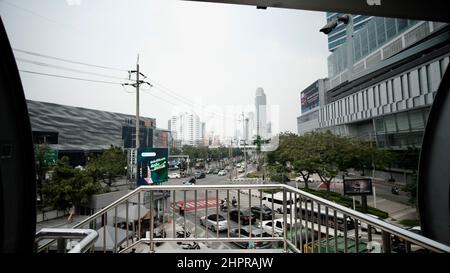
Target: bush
{"x": 279, "y": 178}
{"x": 410, "y": 222}
{"x": 347, "y": 202}
{"x": 255, "y": 175}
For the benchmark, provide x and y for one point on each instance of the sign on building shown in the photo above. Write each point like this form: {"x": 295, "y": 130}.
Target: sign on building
{"x": 152, "y": 166}
{"x": 50, "y": 157}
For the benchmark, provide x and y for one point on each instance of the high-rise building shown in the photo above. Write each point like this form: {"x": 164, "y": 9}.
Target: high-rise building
{"x": 338, "y": 36}
{"x": 378, "y": 39}
{"x": 398, "y": 66}
{"x": 186, "y": 128}
{"x": 251, "y": 126}
{"x": 203, "y": 133}
{"x": 261, "y": 113}
{"x": 311, "y": 98}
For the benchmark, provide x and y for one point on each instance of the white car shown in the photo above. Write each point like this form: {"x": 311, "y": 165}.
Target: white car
{"x": 214, "y": 222}
{"x": 222, "y": 172}
{"x": 174, "y": 175}
{"x": 277, "y": 225}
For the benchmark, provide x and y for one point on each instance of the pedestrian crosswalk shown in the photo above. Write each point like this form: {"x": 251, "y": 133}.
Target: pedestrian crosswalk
{"x": 200, "y": 204}
{"x": 203, "y": 203}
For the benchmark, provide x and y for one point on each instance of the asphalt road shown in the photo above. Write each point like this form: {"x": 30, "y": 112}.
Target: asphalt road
{"x": 382, "y": 190}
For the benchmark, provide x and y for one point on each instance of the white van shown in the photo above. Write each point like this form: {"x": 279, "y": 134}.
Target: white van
{"x": 277, "y": 202}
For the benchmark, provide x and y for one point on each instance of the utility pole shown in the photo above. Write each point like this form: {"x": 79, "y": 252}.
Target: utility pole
{"x": 137, "y": 104}
{"x": 245, "y": 152}
{"x": 137, "y": 85}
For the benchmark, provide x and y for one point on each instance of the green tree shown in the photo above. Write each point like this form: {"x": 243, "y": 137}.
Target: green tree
{"x": 175, "y": 151}
{"x": 306, "y": 161}
{"x": 334, "y": 154}
{"x": 108, "y": 165}
{"x": 68, "y": 186}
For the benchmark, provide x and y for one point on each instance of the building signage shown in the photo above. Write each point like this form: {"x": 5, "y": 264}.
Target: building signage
{"x": 152, "y": 164}
{"x": 310, "y": 97}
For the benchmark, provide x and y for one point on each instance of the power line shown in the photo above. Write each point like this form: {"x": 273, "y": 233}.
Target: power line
{"x": 167, "y": 90}
{"x": 39, "y": 15}
{"x": 67, "y": 60}
{"x": 153, "y": 95}
{"x": 67, "y": 77}
{"x": 67, "y": 68}
{"x": 184, "y": 100}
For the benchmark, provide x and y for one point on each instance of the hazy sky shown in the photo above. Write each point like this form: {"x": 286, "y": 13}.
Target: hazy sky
{"x": 214, "y": 55}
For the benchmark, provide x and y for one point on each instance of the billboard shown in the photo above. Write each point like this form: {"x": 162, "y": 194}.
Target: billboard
{"x": 310, "y": 97}
{"x": 358, "y": 186}
{"x": 152, "y": 164}
{"x": 49, "y": 158}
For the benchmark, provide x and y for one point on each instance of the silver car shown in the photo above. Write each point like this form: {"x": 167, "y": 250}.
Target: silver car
{"x": 214, "y": 222}
{"x": 256, "y": 233}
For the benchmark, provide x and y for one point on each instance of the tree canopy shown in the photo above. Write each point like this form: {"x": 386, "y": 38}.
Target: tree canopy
{"x": 69, "y": 186}
{"x": 325, "y": 154}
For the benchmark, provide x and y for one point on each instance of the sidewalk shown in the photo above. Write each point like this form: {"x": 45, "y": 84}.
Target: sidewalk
{"x": 396, "y": 211}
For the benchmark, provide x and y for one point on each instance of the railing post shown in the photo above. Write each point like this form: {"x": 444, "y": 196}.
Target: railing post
{"x": 285, "y": 221}
{"x": 61, "y": 245}
{"x": 152, "y": 244}
{"x": 386, "y": 242}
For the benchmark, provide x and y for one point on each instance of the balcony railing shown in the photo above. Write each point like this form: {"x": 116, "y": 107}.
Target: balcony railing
{"x": 294, "y": 221}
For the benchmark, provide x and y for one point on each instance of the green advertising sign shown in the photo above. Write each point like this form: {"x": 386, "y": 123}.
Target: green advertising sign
{"x": 152, "y": 164}
{"x": 49, "y": 158}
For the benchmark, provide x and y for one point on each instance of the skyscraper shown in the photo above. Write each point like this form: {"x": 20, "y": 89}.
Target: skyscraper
{"x": 186, "y": 128}
{"x": 261, "y": 113}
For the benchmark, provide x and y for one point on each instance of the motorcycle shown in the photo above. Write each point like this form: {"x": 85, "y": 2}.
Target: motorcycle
{"x": 193, "y": 245}
{"x": 159, "y": 233}
{"x": 395, "y": 191}
{"x": 181, "y": 234}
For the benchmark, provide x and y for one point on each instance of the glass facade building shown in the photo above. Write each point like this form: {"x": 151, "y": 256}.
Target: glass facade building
{"x": 374, "y": 34}
{"x": 338, "y": 36}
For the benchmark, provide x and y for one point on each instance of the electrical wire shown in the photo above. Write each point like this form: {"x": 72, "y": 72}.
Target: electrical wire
{"x": 68, "y": 69}
{"x": 67, "y": 77}
{"x": 67, "y": 60}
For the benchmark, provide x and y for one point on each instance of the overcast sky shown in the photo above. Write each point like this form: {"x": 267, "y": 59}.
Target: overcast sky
{"x": 213, "y": 55}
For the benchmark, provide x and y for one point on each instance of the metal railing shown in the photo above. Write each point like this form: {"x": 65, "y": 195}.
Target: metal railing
{"x": 62, "y": 235}
{"x": 289, "y": 220}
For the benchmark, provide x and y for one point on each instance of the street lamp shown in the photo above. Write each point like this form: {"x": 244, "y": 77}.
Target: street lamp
{"x": 347, "y": 20}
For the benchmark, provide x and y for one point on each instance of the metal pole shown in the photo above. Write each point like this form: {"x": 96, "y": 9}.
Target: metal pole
{"x": 245, "y": 152}
{"x": 350, "y": 30}
{"x": 284, "y": 221}
{"x": 364, "y": 203}
{"x": 137, "y": 104}
{"x": 61, "y": 245}
{"x": 374, "y": 198}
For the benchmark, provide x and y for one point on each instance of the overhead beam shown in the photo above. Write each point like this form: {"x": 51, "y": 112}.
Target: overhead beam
{"x": 430, "y": 10}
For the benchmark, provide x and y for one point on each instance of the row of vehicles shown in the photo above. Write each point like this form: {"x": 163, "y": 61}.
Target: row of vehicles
{"x": 308, "y": 226}
{"x": 247, "y": 217}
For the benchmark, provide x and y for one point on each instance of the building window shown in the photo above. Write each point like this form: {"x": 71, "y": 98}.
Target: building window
{"x": 390, "y": 124}
{"x": 416, "y": 119}
{"x": 40, "y": 137}
{"x": 403, "y": 122}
